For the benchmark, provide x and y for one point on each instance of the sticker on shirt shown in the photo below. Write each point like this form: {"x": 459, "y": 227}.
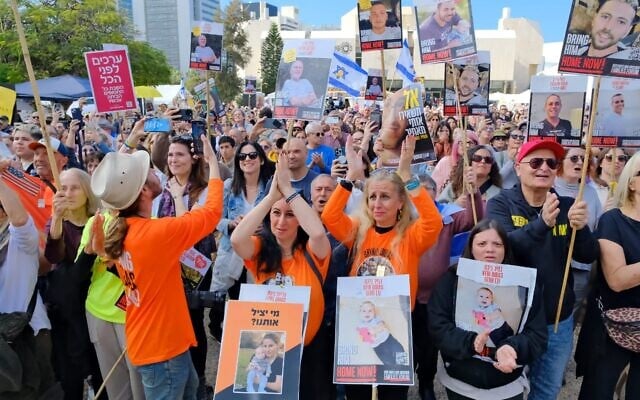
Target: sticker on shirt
{"x": 375, "y": 266}
{"x": 280, "y": 279}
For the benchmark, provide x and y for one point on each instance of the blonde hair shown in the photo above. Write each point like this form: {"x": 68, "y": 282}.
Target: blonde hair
{"x": 623, "y": 197}
{"x": 84, "y": 179}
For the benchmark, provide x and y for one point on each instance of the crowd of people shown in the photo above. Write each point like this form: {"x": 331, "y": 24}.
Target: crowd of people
{"x": 94, "y": 259}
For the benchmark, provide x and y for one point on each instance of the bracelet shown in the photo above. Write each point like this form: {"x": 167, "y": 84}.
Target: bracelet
{"x": 127, "y": 145}
{"x": 412, "y": 184}
{"x": 292, "y": 196}
{"x": 347, "y": 184}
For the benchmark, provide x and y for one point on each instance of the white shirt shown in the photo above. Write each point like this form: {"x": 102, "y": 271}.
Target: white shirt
{"x": 19, "y": 273}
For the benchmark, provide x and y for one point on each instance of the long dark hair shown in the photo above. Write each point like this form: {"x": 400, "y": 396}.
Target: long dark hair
{"x": 458, "y": 173}
{"x": 197, "y": 176}
{"x": 238, "y": 182}
{"x": 270, "y": 254}
{"x": 485, "y": 225}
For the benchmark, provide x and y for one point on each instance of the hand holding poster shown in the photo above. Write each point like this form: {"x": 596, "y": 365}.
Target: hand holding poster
{"x": 380, "y": 24}
{"x": 302, "y": 79}
{"x": 206, "y": 45}
{"x": 618, "y": 113}
{"x": 260, "y": 351}
{"x": 445, "y": 29}
{"x": 556, "y": 108}
{"x": 600, "y": 39}
{"x": 403, "y": 115}
{"x": 470, "y": 77}
{"x": 111, "y": 80}
{"x": 373, "y": 331}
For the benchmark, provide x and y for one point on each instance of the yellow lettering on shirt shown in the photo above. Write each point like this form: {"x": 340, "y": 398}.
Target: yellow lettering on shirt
{"x": 559, "y": 230}
{"x": 519, "y": 221}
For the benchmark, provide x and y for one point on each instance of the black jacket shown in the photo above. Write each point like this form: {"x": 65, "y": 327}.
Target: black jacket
{"x": 456, "y": 344}
{"x": 535, "y": 244}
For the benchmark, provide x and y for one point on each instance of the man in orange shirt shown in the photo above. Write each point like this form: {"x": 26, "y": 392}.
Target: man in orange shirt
{"x": 158, "y": 327}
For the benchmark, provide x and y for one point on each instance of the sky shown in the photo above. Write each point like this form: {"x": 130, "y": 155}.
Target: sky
{"x": 551, "y": 15}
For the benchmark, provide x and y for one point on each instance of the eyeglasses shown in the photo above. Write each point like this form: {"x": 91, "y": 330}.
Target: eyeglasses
{"x": 536, "y": 163}
{"x": 252, "y": 156}
{"x": 297, "y": 128}
{"x": 434, "y": 120}
{"x": 574, "y": 159}
{"x": 499, "y": 138}
{"x": 515, "y": 136}
{"x": 609, "y": 157}
{"x": 478, "y": 158}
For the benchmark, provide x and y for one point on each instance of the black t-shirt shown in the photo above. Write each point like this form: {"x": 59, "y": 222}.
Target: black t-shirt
{"x": 618, "y": 228}
{"x": 276, "y": 369}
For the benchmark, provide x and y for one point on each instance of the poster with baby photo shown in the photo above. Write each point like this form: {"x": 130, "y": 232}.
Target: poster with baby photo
{"x": 445, "y": 30}
{"x": 493, "y": 298}
{"x": 260, "y": 351}
{"x": 466, "y": 82}
{"x": 373, "y": 331}
{"x": 281, "y": 294}
{"x": 206, "y": 45}
{"x": 617, "y": 121}
{"x": 302, "y": 80}
{"x": 380, "y": 24}
{"x": 556, "y": 108}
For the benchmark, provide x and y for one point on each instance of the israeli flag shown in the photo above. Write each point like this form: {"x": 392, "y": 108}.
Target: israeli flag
{"x": 345, "y": 74}
{"x": 405, "y": 65}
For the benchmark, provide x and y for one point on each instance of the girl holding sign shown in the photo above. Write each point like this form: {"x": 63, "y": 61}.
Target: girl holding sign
{"x": 464, "y": 375}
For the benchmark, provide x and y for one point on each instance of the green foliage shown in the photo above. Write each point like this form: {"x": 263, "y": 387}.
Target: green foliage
{"x": 270, "y": 59}
{"x": 236, "y": 49}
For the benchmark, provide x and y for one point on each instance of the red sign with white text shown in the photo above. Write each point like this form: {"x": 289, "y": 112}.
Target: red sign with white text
{"x": 111, "y": 81}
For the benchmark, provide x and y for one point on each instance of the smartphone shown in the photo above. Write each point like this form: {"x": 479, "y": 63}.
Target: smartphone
{"x": 376, "y": 116}
{"x": 186, "y": 114}
{"x": 157, "y": 125}
{"x": 197, "y": 129}
{"x": 271, "y": 123}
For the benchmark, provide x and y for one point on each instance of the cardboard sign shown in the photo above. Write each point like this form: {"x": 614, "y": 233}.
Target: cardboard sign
{"x": 445, "y": 30}
{"x": 7, "y": 102}
{"x": 380, "y": 25}
{"x": 261, "y": 345}
{"x": 215, "y": 103}
{"x": 111, "y": 80}
{"x": 250, "y": 84}
{"x": 374, "y": 86}
{"x": 594, "y": 45}
{"x": 470, "y": 77}
{"x": 206, "y": 45}
{"x": 618, "y": 113}
{"x": 194, "y": 267}
{"x": 557, "y": 108}
{"x": 373, "y": 331}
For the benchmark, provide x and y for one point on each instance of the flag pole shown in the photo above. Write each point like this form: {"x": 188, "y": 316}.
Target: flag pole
{"x": 208, "y": 89}
{"x": 36, "y": 93}
{"x": 384, "y": 76}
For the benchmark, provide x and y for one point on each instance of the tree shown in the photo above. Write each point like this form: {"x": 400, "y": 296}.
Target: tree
{"x": 59, "y": 32}
{"x": 236, "y": 50}
{"x": 270, "y": 59}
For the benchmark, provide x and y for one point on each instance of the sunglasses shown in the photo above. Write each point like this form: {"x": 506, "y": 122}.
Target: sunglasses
{"x": 515, "y": 136}
{"x": 318, "y": 134}
{"x": 252, "y": 156}
{"x": 536, "y": 163}
{"x": 609, "y": 157}
{"x": 575, "y": 159}
{"x": 478, "y": 158}
{"x": 297, "y": 129}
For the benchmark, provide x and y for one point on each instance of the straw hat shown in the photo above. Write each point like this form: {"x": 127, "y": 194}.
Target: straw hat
{"x": 119, "y": 178}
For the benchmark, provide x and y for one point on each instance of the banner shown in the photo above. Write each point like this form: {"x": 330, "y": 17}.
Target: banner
{"x": 617, "y": 121}
{"x": 403, "y": 115}
{"x": 373, "y": 331}
{"x": 470, "y": 76}
{"x": 7, "y": 102}
{"x": 599, "y": 39}
{"x": 250, "y": 84}
{"x": 495, "y": 298}
{"x": 556, "y": 109}
{"x": 380, "y": 24}
{"x": 111, "y": 80}
{"x": 260, "y": 351}
{"x": 206, "y": 45}
{"x": 445, "y": 30}
{"x": 302, "y": 78}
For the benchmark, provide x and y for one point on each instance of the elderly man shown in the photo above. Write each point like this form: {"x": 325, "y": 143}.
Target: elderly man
{"x": 319, "y": 156}
{"x": 539, "y": 224}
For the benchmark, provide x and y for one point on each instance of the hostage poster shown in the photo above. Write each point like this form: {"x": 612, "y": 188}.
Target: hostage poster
{"x": 466, "y": 81}
{"x": 618, "y": 113}
{"x": 373, "y": 331}
{"x": 380, "y": 24}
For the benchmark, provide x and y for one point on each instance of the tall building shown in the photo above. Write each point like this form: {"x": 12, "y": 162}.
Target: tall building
{"x": 205, "y": 10}
{"x": 260, "y": 10}
{"x": 125, "y": 7}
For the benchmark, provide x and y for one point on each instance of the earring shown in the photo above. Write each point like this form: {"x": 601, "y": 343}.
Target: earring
{"x": 399, "y": 214}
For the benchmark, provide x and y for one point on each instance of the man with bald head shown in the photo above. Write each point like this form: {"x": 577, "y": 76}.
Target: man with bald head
{"x": 301, "y": 175}
{"x": 319, "y": 156}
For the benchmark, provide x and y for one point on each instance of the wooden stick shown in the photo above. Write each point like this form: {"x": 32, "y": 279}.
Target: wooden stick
{"x": 374, "y": 392}
{"x": 583, "y": 178}
{"x": 106, "y": 378}
{"x": 208, "y": 89}
{"x": 36, "y": 93}
{"x": 465, "y": 156}
{"x": 384, "y": 76}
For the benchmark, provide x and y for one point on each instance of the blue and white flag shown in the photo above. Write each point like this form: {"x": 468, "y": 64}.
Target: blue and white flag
{"x": 405, "y": 65}
{"x": 346, "y": 75}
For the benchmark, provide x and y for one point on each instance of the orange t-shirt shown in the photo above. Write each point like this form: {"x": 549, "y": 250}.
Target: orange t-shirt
{"x": 299, "y": 271}
{"x": 158, "y": 326}
{"x": 376, "y": 251}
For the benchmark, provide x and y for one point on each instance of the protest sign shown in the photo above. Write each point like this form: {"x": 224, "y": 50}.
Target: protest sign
{"x": 374, "y": 85}
{"x": 617, "y": 115}
{"x": 445, "y": 30}
{"x": 206, "y": 45}
{"x": 403, "y": 115}
{"x": 260, "y": 351}
{"x": 380, "y": 24}
{"x": 556, "y": 109}
{"x": 373, "y": 331}
{"x": 493, "y": 297}
{"x": 302, "y": 78}
{"x": 111, "y": 80}
{"x": 194, "y": 267}
{"x": 7, "y": 102}
{"x": 595, "y": 45}
{"x": 250, "y": 84}
{"x": 215, "y": 103}
{"x": 470, "y": 77}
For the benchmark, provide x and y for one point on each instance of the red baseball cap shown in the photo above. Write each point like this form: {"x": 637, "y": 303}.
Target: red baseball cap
{"x": 530, "y": 147}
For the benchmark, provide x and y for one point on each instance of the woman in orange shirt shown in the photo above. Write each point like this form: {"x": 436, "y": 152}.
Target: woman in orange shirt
{"x": 292, "y": 248}
{"x": 384, "y": 238}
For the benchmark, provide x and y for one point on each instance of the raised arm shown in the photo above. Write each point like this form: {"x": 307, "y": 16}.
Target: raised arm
{"x": 12, "y": 206}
